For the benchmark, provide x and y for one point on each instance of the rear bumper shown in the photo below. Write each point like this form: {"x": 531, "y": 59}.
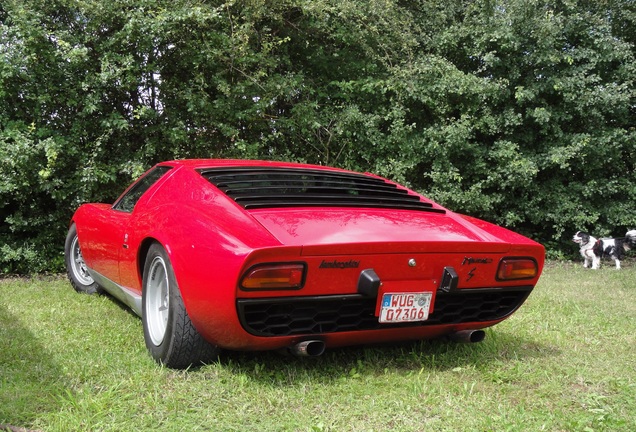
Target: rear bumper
{"x": 325, "y": 315}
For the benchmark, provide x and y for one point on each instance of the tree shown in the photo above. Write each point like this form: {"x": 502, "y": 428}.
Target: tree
{"x": 519, "y": 112}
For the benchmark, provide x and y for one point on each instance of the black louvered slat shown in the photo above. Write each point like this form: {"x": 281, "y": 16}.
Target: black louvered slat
{"x": 272, "y": 187}
{"x": 309, "y": 184}
{"x": 361, "y": 204}
{"x": 252, "y": 202}
{"x": 254, "y": 171}
{"x": 316, "y": 189}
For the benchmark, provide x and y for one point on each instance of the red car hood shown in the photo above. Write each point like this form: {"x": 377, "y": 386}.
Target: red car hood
{"x": 320, "y": 230}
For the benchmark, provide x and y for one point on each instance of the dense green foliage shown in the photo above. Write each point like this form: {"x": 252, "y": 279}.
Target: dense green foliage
{"x": 521, "y": 112}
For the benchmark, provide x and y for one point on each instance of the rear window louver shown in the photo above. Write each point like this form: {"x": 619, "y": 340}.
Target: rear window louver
{"x": 273, "y": 187}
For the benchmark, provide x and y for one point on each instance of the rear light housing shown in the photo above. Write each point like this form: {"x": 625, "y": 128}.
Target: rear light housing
{"x": 283, "y": 276}
{"x": 517, "y": 269}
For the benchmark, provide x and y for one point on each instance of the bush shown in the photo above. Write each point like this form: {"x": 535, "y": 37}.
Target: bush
{"x": 517, "y": 112}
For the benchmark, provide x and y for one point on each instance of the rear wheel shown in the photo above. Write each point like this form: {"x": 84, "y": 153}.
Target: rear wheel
{"x": 76, "y": 268}
{"x": 170, "y": 336}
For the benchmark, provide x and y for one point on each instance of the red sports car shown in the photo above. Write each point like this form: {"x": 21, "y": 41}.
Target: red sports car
{"x": 253, "y": 255}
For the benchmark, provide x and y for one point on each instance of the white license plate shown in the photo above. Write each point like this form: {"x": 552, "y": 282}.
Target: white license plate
{"x": 405, "y": 307}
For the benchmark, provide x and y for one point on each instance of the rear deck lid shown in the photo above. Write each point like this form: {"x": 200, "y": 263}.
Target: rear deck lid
{"x": 374, "y": 231}
{"x": 321, "y": 208}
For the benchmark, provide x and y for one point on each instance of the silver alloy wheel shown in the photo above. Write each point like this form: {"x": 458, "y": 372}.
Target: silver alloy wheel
{"x": 157, "y": 300}
{"x": 78, "y": 266}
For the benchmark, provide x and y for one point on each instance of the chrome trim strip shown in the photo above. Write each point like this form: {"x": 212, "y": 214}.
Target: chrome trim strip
{"x": 124, "y": 295}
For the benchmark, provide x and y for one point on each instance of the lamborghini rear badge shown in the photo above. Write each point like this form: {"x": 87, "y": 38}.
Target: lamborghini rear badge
{"x": 335, "y": 264}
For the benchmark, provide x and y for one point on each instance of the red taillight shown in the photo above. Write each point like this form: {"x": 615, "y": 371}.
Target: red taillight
{"x": 274, "y": 276}
{"x": 517, "y": 268}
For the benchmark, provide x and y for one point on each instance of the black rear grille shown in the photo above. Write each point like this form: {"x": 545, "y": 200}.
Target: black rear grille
{"x": 267, "y": 187}
{"x": 315, "y": 315}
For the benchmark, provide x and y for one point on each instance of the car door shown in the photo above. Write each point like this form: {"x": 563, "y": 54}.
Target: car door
{"x": 123, "y": 230}
{"x": 102, "y": 240}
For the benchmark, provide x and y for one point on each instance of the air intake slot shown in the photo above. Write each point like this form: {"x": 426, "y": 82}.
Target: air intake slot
{"x": 272, "y": 187}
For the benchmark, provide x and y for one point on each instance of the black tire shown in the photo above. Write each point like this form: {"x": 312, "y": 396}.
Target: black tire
{"x": 169, "y": 334}
{"x": 76, "y": 269}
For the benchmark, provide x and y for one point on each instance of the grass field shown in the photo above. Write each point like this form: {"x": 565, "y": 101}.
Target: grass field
{"x": 564, "y": 362}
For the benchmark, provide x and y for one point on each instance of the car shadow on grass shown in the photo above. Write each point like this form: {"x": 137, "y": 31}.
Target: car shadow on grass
{"x": 30, "y": 382}
{"x": 439, "y": 355}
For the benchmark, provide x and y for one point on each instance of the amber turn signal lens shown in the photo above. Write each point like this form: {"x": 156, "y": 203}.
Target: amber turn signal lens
{"x": 274, "y": 276}
{"x": 517, "y": 268}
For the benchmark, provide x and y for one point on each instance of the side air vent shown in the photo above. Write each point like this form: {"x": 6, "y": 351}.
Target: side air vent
{"x": 267, "y": 187}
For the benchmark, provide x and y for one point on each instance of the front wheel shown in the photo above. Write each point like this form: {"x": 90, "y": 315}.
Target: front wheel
{"x": 76, "y": 268}
{"x": 170, "y": 336}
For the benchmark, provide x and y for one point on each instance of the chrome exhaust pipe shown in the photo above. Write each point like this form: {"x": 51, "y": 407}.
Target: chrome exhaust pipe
{"x": 468, "y": 336}
{"x": 310, "y": 348}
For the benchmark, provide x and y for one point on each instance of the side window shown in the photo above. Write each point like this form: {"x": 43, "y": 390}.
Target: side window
{"x": 127, "y": 202}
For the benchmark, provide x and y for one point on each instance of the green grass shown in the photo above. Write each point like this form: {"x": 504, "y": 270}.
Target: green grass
{"x": 564, "y": 362}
